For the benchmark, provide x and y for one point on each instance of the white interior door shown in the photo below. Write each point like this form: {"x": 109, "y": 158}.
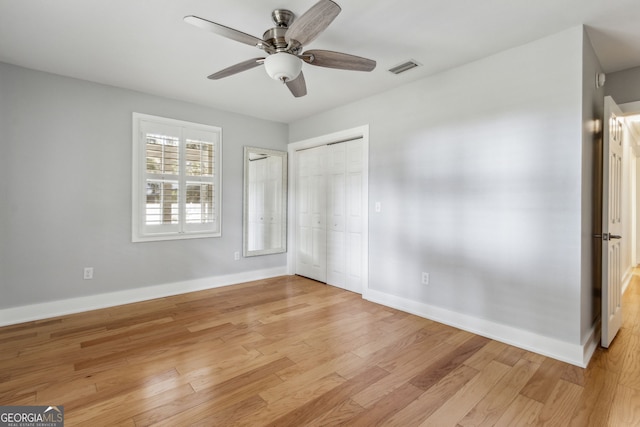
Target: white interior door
{"x": 311, "y": 207}
{"x": 337, "y": 212}
{"x": 356, "y": 206}
{"x": 611, "y": 222}
{"x": 345, "y": 215}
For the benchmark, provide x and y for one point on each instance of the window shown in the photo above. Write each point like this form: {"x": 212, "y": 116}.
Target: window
{"x": 176, "y": 179}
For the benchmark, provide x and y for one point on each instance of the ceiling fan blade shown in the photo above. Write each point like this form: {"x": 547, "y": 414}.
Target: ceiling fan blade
{"x": 342, "y": 61}
{"x": 298, "y": 86}
{"x": 314, "y": 21}
{"x": 234, "y": 69}
{"x": 221, "y": 30}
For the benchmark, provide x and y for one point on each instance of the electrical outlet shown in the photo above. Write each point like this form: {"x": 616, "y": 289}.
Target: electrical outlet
{"x": 236, "y": 256}
{"x": 425, "y": 278}
{"x": 88, "y": 273}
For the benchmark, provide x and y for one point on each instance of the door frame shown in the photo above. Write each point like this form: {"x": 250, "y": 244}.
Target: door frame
{"x": 332, "y": 138}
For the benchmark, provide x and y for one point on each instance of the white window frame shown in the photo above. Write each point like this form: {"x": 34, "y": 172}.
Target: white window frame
{"x": 141, "y": 232}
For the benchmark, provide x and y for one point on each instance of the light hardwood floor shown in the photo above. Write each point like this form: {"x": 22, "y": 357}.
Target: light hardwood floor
{"x": 292, "y": 352}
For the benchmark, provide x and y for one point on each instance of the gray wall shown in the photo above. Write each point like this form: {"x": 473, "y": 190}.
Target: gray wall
{"x": 65, "y": 190}
{"x": 624, "y": 86}
{"x": 479, "y": 172}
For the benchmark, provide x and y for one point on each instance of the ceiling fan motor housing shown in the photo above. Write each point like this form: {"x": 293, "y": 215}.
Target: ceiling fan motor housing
{"x": 275, "y": 42}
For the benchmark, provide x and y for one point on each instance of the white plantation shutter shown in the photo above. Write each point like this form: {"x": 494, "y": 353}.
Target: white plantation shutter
{"x": 176, "y": 174}
{"x": 200, "y": 171}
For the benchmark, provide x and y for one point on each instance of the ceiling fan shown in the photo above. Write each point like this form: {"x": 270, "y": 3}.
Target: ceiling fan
{"x": 283, "y": 46}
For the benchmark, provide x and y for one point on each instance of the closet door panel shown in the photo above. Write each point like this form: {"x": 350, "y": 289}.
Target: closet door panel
{"x": 311, "y": 252}
{"x": 336, "y": 206}
{"x": 354, "y": 213}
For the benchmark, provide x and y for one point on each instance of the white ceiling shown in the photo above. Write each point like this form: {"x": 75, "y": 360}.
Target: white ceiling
{"x": 145, "y": 45}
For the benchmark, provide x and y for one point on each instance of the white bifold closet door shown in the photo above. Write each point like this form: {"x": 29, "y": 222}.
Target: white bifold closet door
{"x": 330, "y": 214}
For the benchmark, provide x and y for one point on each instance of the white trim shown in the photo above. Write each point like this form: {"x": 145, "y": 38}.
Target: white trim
{"x": 574, "y": 354}
{"x": 27, "y": 313}
{"x": 344, "y": 135}
{"x": 592, "y": 342}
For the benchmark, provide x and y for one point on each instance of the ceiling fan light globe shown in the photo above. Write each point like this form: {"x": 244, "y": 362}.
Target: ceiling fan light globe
{"x": 283, "y": 66}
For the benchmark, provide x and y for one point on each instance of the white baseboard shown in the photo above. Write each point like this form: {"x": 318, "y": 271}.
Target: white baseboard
{"x": 592, "y": 342}
{"x": 27, "y": 313}
{"x": 574, "y": 354}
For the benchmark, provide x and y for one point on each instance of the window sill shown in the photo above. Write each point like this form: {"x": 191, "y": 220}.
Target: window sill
{"x": 173, "y": 236}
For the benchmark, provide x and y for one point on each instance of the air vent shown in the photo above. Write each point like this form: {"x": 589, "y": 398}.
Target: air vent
{"x": 405, "y": 66}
